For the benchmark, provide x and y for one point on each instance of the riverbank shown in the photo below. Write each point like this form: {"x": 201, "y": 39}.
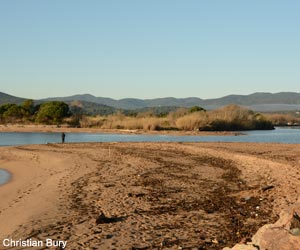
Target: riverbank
{"x": 145, "y": 195}
{"x": 66, "y": 129}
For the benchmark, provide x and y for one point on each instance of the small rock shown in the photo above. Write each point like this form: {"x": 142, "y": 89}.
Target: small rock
{"x": 215, "y": 241}
{"x": 109, "y": 236}
{"x": 246, "y": 198}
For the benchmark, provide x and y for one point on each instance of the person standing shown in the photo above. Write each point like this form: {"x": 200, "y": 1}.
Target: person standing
{"x": 63, "y": 136}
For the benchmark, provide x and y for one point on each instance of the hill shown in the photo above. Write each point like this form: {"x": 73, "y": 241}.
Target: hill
{"x": 283, "y": 101}
{"x": 5, "y": 98}
{"x": 291, "y": 98}
{"x": 257, "y": 101}
{"x": 90, "y": 108}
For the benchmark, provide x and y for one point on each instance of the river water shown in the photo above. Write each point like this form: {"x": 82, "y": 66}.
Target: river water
{"x": 279, "y": 135}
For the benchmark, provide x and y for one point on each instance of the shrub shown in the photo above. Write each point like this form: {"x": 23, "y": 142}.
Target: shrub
{"x": 192, "y": 121}
{"x": 196, "y": 109}
{"x": 52, "y": 112}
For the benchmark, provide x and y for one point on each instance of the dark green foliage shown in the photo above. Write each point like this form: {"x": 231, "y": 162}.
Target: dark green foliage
{"x": 5, "y": 107}
{"x": 196, "y": 109}
{"x": 28, "y": 107}
{"x": 14, "y": 111}
{"x": 52, "y": 112}
{"x": 11, "y": 112}
{"x": 49, "y": 112}
{"x": 263, "y": 125}
{"x": 222, "y": 125}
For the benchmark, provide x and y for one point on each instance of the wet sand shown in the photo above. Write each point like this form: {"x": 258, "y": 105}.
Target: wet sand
{"x": 146, "y": 195}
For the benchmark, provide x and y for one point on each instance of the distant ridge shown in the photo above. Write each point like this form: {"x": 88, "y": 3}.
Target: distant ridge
{"x": 6, "y": 98}
{"x": 132, "y": 103}
{"x": 265, "y": 101}
{"x": 283, "y": 101}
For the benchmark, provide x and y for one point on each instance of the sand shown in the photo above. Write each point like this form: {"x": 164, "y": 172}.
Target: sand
{"x": 146, "y": 195}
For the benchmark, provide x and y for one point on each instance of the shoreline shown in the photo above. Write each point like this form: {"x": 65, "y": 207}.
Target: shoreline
{"x": 54, "y": 128}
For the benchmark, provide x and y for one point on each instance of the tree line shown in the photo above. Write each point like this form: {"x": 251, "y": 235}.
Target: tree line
{"x": 53, "y": 112}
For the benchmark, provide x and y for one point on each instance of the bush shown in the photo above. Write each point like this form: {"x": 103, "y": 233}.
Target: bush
{"x": 11, "y": 112}
{"x": 196, "y": 109}
{"x": 52, "y": 112}
{"x": 192, "y": 121}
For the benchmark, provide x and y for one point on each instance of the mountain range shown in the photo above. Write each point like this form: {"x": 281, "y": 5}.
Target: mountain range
{"x": 283, "y": 101}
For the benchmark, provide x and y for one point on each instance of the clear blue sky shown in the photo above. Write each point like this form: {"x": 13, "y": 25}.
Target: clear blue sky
{"x": 148, "y": 49}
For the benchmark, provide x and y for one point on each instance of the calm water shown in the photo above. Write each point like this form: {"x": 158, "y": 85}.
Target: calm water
{"x": 4, "y": 176}
{"x": 281, "y": 135}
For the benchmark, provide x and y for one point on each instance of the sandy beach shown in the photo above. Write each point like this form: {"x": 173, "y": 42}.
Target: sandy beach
{"x": 146, "y": 195}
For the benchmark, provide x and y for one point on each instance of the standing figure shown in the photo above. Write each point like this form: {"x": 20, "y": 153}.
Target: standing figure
{"x": 63, "y": 136}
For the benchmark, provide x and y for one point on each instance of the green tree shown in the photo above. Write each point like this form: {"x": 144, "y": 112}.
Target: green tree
{"x": 5, "y": 107}
{"x": 28, "y": 107}
{"x": 14, "y": 111}
{"x": 11, "y": 112}
{"x": 52, "y": 112}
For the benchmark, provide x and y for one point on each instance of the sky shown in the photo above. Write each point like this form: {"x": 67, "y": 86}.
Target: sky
{"x": 149, "y": 48}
